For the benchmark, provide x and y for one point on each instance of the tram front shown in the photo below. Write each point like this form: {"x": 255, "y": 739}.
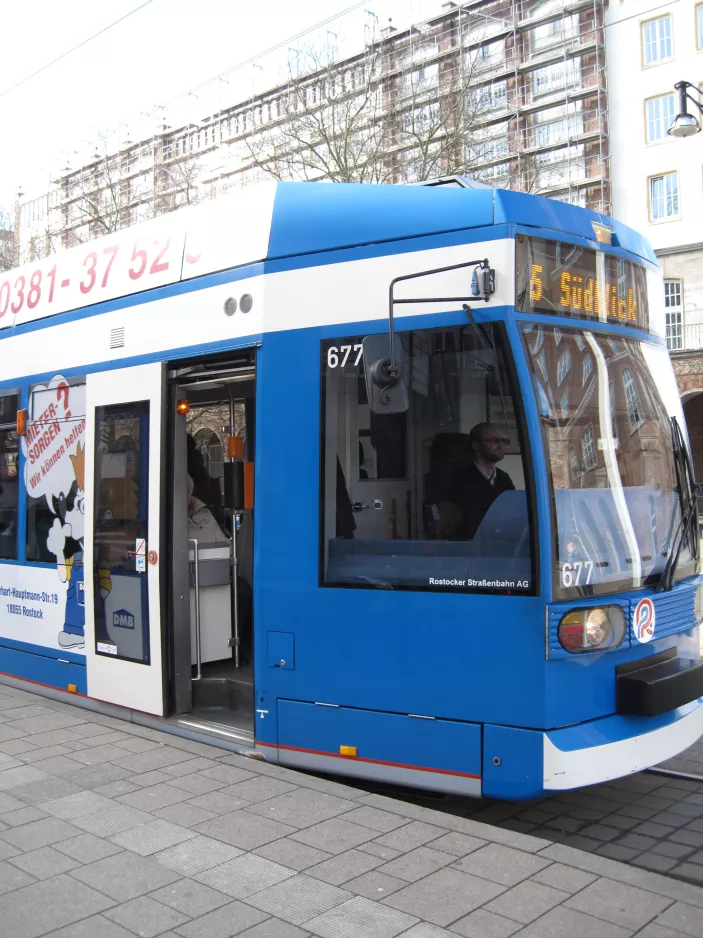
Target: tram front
{"x": 506, "y": 595}
{"x": 621, "y": 499}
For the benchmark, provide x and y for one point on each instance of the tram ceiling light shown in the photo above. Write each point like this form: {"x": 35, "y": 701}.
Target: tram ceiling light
{"x": 685, "y": 124}
{"x": 594, "y": 629}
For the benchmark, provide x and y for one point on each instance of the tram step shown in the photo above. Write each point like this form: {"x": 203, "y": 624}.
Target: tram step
{"x": 222, "y": 693}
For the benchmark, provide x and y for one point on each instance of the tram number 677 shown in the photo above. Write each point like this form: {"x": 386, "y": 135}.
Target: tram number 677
{"x": 571, "y": 573}
{"x": 337, "y": 357}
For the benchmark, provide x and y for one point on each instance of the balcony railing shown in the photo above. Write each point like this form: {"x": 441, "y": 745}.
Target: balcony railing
{"x": 688, "y": 338}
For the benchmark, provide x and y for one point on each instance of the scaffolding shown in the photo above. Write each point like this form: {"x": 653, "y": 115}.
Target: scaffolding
{"x": 537, "y": 68}
{"x": 510, "y": 92}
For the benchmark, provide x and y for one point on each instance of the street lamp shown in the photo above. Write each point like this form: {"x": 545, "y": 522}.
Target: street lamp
{"x": 685, "y": 124}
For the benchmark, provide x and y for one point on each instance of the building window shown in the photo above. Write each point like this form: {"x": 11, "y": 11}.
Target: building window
{"x": 490, "y": 54}
{"x": 588, "y": 448}
{"x": 486, "y": 151}
{"x": 9, "y": 475}
{"x": 664, "y": 196}
{"x": 557, "y": 131}
{"x": 656, "y": 40}
{"x": 611, "y": 400}
{"x": 542, "y": 362}
{"x": 564, "y": 404}
{"x": 699, "y": 26}
{"x": 674, "y": 314}
{"x": 563, "y": 365}
{"x": 491, "y": 172}
{"x": 491, "y": 97}
{"x": 574, "y": 463}
{"x": 555, "y": 77}
{"x": 632, "y": 397}
{"x": 587, "y": 368}
{"x": 660, "y": 116}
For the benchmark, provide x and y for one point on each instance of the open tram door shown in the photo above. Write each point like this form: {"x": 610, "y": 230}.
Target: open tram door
{"x": 123, "y": 537}
{"x": 210, "y": 483}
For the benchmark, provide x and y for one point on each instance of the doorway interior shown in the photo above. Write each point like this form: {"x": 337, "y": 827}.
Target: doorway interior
{"x": 212, "y": 451}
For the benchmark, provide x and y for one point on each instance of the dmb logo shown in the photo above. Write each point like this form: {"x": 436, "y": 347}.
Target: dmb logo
{"x": 122, "y": 619}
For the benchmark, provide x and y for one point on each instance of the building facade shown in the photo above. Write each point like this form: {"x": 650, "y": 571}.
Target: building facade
{"x": 512, "y": 92}
{"x": 657, "y": 180}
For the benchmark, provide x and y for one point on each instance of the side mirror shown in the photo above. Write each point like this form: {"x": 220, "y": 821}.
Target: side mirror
{"x": 483, "y": 281}
{"x": 387, "y": 392}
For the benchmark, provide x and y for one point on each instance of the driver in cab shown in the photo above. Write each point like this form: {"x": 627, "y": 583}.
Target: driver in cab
{"x": 481, "y": 482}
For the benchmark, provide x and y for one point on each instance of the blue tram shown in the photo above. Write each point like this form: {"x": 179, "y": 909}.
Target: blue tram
{"x": 385, "y": 481}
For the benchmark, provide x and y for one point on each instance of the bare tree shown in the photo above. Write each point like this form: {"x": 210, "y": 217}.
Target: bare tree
{"x": 7, "y": 241}
{"x": 329, "y": 121}
{"x": 177, "y": 183}
{"x": 401, "y": 112}
{"x": 443, "y": 114}
{"x": 98, "y": 194}
{"x": 117, "y": 189}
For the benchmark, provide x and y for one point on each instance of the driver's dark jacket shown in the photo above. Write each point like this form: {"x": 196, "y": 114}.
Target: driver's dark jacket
{"x": 474, "y": 495}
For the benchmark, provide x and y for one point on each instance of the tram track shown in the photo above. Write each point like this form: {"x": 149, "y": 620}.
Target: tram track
{"x": 671, "y": 773}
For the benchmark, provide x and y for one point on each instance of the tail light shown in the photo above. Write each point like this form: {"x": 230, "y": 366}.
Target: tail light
{"x": 595, "y": 629}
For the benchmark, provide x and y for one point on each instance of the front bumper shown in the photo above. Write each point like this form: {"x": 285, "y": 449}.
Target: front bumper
{"x": 521, "y": 764}
{"x": 617, "y": 746}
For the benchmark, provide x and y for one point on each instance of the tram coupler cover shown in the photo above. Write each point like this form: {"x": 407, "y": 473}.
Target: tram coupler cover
{"x": 660, "y": 687}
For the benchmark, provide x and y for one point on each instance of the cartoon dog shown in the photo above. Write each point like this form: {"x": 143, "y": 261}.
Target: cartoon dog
{"x": 65, "y": 541}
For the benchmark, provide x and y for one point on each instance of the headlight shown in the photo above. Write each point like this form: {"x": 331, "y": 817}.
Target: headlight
{"x": 596, "y": 629}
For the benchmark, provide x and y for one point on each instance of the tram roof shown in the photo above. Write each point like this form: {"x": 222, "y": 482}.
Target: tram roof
{"x": 278, "y": 221}
{"x": 310, "y": 217}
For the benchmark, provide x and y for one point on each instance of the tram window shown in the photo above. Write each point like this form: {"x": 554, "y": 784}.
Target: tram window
{"x": 433, "y": 498}
{"x": 54, "y": 448}
{"x": 121, "y": 522}
{"x": 610, "y": 458}
{"x": 8, "y": 475}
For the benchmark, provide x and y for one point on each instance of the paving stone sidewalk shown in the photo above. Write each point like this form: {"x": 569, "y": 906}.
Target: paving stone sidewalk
{"x": 109, "y": 830}
{"x": 650, "y": 820}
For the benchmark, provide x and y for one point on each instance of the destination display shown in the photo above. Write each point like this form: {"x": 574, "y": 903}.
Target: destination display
{"x": 570, "y": 280}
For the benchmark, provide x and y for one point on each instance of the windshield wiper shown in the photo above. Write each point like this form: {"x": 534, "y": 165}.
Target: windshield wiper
{"x": 687, "y": 529}
{"x": 666, "y": 581}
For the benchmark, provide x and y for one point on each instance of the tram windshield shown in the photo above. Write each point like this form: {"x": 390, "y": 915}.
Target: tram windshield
{"x": 606, "y": 403}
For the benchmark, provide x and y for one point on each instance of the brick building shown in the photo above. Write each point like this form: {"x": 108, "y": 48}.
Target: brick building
{"x": 529, "y": 76}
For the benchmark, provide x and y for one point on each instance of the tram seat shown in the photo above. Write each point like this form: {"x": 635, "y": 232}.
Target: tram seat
{"x": 449, "y": 454}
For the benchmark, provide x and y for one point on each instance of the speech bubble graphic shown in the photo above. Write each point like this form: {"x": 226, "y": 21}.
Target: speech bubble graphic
{"x": 54, "y": 440}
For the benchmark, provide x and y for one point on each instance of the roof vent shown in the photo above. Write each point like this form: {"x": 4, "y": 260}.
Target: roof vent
{"x": 457, "y": 182}
{"x": 117, "y": 337}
